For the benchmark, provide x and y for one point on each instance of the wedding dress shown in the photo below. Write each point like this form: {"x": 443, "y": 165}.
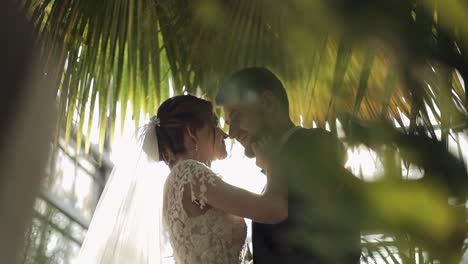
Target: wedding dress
{"x": 126, "y": 224}
{"x": 212, "y": 237}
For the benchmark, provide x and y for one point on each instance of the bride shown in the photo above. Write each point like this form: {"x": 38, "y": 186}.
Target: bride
{"x": 202, "y": 214}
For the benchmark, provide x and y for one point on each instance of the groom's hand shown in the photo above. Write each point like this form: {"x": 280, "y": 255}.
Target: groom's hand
{"x": 264, "y": 152}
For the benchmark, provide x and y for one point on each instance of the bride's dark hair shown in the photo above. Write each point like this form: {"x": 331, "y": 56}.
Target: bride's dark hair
{"x": 175, "y": 115}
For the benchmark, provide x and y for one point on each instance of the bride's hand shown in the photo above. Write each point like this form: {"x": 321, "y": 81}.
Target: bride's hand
{"x": 264, "y": 152}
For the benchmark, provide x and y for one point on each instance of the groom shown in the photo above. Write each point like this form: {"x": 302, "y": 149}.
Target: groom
{"x": 322, "y": 224}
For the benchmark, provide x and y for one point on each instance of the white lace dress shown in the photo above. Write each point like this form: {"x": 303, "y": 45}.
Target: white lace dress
{"x": 212, "y": 237}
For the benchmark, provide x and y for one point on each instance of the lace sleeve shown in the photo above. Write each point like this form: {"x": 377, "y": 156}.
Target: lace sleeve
{"x": 200, "y": 178}
{"x": 210, "y": 236}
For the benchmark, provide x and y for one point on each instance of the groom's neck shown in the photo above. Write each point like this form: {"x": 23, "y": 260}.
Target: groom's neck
{"x": 281, "y": 126}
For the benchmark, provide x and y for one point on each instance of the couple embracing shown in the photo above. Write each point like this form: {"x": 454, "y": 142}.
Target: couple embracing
{"x": 302, "y": 215}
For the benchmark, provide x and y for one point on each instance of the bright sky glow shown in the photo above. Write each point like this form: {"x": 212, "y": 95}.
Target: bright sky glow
{"x": 363, "y": 163}
{"x": 236, "y": 169}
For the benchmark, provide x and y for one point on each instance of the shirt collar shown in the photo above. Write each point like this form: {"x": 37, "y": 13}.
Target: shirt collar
{"x": 285, "y": 137}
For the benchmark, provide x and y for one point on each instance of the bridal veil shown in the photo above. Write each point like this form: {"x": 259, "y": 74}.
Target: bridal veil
{"x": 126, "y": 226}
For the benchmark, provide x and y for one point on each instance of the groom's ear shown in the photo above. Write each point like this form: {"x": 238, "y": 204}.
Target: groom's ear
{"x": 268, "y": 100}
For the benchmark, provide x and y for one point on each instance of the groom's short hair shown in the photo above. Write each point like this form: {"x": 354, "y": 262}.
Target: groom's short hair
{"x": 247, "y": 84}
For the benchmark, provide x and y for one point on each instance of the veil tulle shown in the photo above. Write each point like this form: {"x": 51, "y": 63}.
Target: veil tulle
{"x": 126, "y": 226}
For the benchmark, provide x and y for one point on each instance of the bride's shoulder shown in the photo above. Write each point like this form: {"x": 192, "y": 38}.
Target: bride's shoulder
{"x": 189, "y": 163}
{"x": 194, "y": 172}
{"x": 192, "y": 166}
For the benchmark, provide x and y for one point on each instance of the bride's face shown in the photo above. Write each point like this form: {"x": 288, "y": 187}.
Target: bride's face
{"x": 211, "y": 145}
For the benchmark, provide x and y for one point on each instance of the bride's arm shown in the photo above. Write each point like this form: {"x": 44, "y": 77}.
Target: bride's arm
{"x": 270, "y": 207}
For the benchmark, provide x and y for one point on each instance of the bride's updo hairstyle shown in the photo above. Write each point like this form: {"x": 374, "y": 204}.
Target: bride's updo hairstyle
{"x": 173, "y": 117}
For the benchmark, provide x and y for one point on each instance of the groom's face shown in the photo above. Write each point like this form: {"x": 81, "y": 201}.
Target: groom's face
{"x": 246, "y": 124}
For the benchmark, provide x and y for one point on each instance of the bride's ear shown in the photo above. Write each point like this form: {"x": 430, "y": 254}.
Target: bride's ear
{"x": 191, "y": 136}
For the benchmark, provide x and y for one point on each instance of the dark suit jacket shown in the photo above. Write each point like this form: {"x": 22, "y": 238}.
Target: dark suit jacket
{"x": 323, "y": 221}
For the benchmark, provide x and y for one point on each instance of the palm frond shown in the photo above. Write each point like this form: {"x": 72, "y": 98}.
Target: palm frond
{"x": 391, "y": 60}
{"x": 128, "y": 50}
{"x": 109, "y": 54}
